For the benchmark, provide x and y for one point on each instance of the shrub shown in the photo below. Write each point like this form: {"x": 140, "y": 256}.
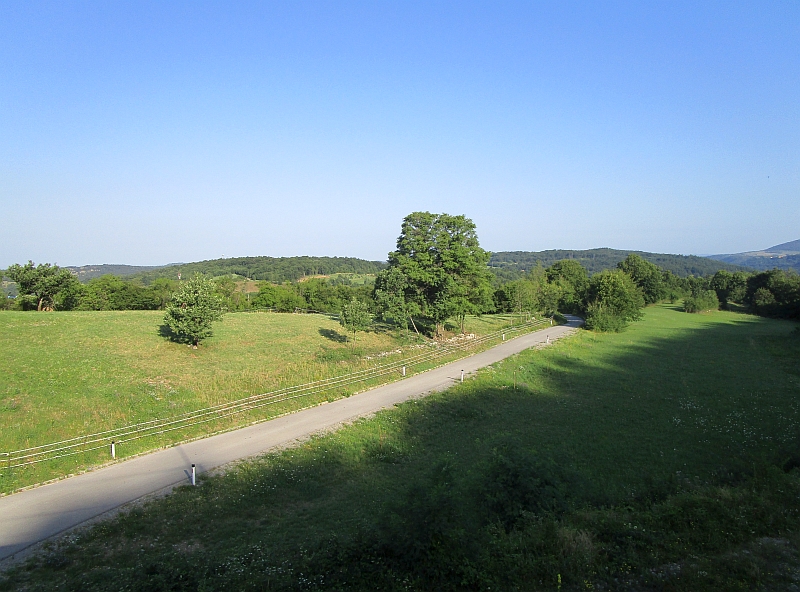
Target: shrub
{"x": 600, "y": 317}
{"x": 702, "y": 301}
{"x": 193, "y": 309}
{"x": 613, "y": 301}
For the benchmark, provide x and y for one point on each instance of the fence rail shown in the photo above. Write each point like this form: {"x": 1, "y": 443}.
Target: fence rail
{"x": 103, "y": 439}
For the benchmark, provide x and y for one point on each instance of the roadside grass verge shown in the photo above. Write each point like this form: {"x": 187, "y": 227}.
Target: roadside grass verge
{"x": 64, "y": 375}
{"x": 661, "y": 458}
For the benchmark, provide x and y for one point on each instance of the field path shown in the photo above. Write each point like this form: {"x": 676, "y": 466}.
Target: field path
{"x": 31, "y": 516}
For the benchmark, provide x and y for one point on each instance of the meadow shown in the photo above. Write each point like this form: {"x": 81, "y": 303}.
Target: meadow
{"x": 72, "y": 373}
{"x": 662, "y": 458}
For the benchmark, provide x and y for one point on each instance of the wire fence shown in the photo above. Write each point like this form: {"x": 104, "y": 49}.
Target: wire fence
{"x": 104, "y": 439}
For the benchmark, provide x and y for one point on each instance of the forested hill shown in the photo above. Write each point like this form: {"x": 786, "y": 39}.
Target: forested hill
{"x": 783, "y": 256}
{"x": 509, "y": 265}
{"x": 87, "y": 272}
{"x": 273, "y": 269}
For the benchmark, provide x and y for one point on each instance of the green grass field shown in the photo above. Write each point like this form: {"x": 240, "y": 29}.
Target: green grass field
{"x": 67, "y": 374}
{"x": 661, "y": 458}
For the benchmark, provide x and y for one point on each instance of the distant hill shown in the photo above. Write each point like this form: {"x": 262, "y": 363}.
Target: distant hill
{"x": 87, "y": 272}
{"x": 509, "y": 265}
{"x": 791, "y": 248}
{"x": 273, "y": 269}
{"x": 783, "y": 256}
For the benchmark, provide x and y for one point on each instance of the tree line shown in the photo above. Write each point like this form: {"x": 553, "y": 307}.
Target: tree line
{"x": 48, "y": 287}
{"x": 438, "y": 273}
{"x": 512, "y": 265}
{"x": 271, "y": 269}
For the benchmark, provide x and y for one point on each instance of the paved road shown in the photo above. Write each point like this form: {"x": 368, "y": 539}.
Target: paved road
{"x": 31, "y": 516}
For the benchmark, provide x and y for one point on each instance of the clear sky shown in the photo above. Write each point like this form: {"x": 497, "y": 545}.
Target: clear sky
{"x": 149, "y": 133}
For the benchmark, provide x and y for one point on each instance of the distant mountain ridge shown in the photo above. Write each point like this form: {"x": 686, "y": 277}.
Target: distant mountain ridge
{"x": 506, "y": 265}
{"x": 273, "y": 269}
{"x": 509, "y": 265}
{"x": 788, "y": 248}
{"x": 85, "y": 273}
{"x": 784, "y": 256}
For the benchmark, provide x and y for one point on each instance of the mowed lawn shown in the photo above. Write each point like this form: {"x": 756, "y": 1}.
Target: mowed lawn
{"x": 67, "y": 374}
{"x": 662, "y": 458}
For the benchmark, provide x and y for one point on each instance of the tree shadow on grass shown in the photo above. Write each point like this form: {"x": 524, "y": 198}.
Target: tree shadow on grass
{"x": 166, "y": 332}
{"x": 333, "y": 335}
{"x": 609, "y": 435}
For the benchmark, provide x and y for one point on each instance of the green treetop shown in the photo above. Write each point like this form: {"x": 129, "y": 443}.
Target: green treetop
{"x": 40, "y": 283}
{"x": 193, "y": 309}
{"x": 443, "y": 265}
{"x": 355, "y": 316}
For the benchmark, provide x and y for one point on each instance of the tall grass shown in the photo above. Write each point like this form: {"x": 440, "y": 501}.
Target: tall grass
{"x": 69, "y": 374}
{"x": 661, "y": 458}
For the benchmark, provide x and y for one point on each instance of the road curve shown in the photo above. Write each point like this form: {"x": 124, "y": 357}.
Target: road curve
{"x": 31, "y": 516}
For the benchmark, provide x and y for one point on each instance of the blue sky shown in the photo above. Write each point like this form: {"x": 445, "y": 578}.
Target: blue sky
{"x": 148, "y": 133}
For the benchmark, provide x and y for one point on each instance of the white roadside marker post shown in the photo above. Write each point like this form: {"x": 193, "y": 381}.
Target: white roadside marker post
{"x": 404, "y": 370}
{"x": 462, "y": 376}
{"x": 504, "y": 336}
{"x": 194, "y": 475}
{"x": 113, "y": 450}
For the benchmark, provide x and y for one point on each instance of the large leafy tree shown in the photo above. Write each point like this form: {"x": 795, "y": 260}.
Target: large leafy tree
{"x": 646, "y": 275}
{"x": 40, "y": 283}
{"x": 193, "y": 309}
{"x": 444, "y": 267}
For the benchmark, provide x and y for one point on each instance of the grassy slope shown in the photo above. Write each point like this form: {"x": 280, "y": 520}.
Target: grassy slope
{"x": 659, "y": 458}
{"x": 67, "y": 374}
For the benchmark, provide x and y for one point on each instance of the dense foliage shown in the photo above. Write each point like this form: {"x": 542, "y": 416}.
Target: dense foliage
{"x": 647, "y": 276}
{"x": 701, "y": 301}
{"x": 442, "y": 267}
{"x": 729, "y": 287}
{"x": 355, "y": 317}
{"x": 612, "y": 301}
{"x": 39, "y": 285}
{"x": 774, "y": 293}
{"x": 192, "y": 310}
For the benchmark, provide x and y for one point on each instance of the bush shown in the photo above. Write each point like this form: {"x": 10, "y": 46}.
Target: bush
{"x": 774, "y": 293}
{"x": 613, "y": 301}
{"x": 192, "y": 310}
{"x": 702, "y": 301}
{"x": 600, "y": 317}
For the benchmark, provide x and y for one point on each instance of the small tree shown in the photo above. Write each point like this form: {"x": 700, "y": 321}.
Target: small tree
{"x": 194, "y": 307}
{"x": 443, "y": 265}
{"x": 548, "y": 297}
{"x": 355, "y": 316}
{"x": 389, "y": 296}
{"x": 40, "y": 283}
{"x": 613, "y": 300}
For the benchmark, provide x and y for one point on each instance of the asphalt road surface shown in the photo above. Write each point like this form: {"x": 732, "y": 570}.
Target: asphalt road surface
{"x": 31, "y": 516}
